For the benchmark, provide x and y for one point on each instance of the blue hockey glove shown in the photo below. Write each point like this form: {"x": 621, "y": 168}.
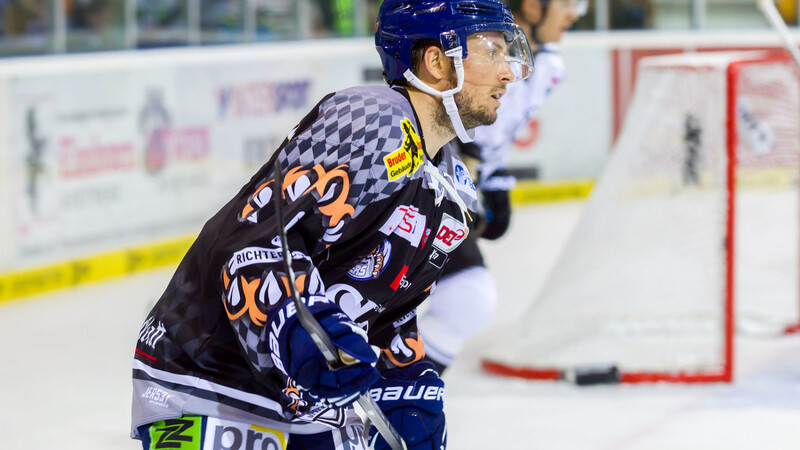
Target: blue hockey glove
{"x": 412, "y": 400}
{"x": 297, "y": 356}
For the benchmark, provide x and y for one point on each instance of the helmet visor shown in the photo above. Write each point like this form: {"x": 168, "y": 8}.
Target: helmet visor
{"x": 511, "y": 50}
{"x": 520, "y": 56}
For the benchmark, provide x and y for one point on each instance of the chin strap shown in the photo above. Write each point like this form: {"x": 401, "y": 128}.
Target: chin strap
{"x": 447, "y": 96}
{"x": 437, "y": 177}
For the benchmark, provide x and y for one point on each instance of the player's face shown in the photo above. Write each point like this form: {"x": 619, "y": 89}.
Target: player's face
{"x": 486, "y": 75}
{"x": 560, "y": 16}
{"x": 530, "y": 11}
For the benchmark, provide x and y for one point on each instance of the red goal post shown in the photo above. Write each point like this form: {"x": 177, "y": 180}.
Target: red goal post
{"x": 692, "y": 231}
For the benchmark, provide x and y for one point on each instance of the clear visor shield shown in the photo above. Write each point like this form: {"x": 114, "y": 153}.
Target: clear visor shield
{"x": 520, "y": 56}
{"x": 506, "y": 53}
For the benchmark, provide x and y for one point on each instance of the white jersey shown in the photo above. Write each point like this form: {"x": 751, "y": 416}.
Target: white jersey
{"x": 466, "y": 296}
{"x": 520, "y": 103}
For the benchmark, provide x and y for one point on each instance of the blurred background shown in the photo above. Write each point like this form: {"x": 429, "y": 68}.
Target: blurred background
{"x": 29, "y": 27}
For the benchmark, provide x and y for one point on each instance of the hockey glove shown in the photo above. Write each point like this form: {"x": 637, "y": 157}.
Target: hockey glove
{"x": 411, "y": 398}
{"x": 294, "y": 352}
{"x": 497, "y": 204}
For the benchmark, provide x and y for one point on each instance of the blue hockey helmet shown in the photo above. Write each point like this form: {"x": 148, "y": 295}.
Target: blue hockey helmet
{"x": 449, "y": 22}
{"x": 402, "y": 22}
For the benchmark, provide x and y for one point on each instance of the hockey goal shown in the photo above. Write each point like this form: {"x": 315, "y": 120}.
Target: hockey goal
{"x": 690, "y": 234}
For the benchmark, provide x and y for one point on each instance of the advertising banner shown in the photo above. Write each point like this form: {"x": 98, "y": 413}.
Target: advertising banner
{"x": 121, "y": 157}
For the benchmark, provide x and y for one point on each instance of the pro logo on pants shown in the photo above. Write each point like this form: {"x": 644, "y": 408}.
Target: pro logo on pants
{"x": 227, "y": 435}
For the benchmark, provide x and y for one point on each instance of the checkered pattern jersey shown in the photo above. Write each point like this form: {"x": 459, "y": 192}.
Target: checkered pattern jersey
{"x": 370, "y": 226}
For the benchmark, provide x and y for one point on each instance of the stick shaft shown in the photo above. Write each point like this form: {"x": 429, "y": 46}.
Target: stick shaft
{"x": 315, "y": 330}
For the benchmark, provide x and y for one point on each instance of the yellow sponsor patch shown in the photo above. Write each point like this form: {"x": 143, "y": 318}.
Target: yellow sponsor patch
{"x": 405, "y": 160}
{"x": 276, "y": 434}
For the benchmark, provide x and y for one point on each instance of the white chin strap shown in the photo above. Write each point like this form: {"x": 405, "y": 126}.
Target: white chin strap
{"x": 447, "y": 96}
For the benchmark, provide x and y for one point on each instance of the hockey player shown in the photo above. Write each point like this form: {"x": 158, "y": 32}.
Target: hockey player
{"x": 466, "y": 296}
{"x": 375, "y": 203}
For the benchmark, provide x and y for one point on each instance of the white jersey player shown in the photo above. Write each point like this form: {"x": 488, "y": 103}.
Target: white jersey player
{"x": 466, "y": 297}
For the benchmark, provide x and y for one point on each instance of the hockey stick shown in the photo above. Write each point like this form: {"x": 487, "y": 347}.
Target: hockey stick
{"x": 772, "y": 15}
{"x": 334, "y": 358}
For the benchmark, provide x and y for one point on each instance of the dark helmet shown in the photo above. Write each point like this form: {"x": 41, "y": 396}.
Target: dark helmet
{"x": 448, "y": 22}
{"x": 401, "y": 22}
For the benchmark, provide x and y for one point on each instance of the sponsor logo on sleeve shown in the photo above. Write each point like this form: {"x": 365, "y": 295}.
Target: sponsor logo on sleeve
{"x": 463, "y": 179}
{"x": 406, "y": 222}
{"x": 450, "y": 235}
{"x": 408, "y": 158}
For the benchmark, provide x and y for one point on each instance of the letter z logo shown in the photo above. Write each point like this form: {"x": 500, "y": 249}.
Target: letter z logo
{"x": 172, "y": 434}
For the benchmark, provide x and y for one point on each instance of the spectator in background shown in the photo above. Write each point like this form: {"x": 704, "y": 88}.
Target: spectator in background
{"x": 275, "y": 19}
{"x": 333, "y": 18}
{"x": 372, "y": 13}
{"x": 161, "y": 23}
{"x": 94, "y": 15}
{"x": 23, "y": 17}
{"x": 343, "y": 17}
{"x": 94, "y": 24}
{"x": 161, "y": 14}
{"x": 221, "y": 15}
{"x": 630, "y": 14}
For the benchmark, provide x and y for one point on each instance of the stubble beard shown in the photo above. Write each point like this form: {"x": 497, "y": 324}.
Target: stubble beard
{"x": 471, "y": 115}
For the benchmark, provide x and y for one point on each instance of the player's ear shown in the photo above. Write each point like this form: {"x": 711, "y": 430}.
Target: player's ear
{"x": 437, "y": 63}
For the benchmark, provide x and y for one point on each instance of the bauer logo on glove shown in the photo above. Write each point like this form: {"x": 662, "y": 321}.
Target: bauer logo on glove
{"x": 413, "y": 400}
{"x": 297, "y": 356}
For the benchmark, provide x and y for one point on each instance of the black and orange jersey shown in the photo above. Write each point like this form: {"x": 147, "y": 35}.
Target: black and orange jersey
{"x": 371, "y": 221}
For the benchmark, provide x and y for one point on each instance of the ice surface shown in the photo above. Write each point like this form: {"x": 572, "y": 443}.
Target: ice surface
{"x": 66, "y": 365}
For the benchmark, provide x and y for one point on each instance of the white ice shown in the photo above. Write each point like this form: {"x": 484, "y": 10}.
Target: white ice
{"x": 66, "y": 365}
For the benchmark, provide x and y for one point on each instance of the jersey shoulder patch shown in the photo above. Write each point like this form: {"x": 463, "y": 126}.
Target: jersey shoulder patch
{"x": 408, "y": 157}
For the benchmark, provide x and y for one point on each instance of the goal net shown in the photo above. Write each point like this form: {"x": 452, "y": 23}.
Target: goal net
{"x": 690, "y": 233}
